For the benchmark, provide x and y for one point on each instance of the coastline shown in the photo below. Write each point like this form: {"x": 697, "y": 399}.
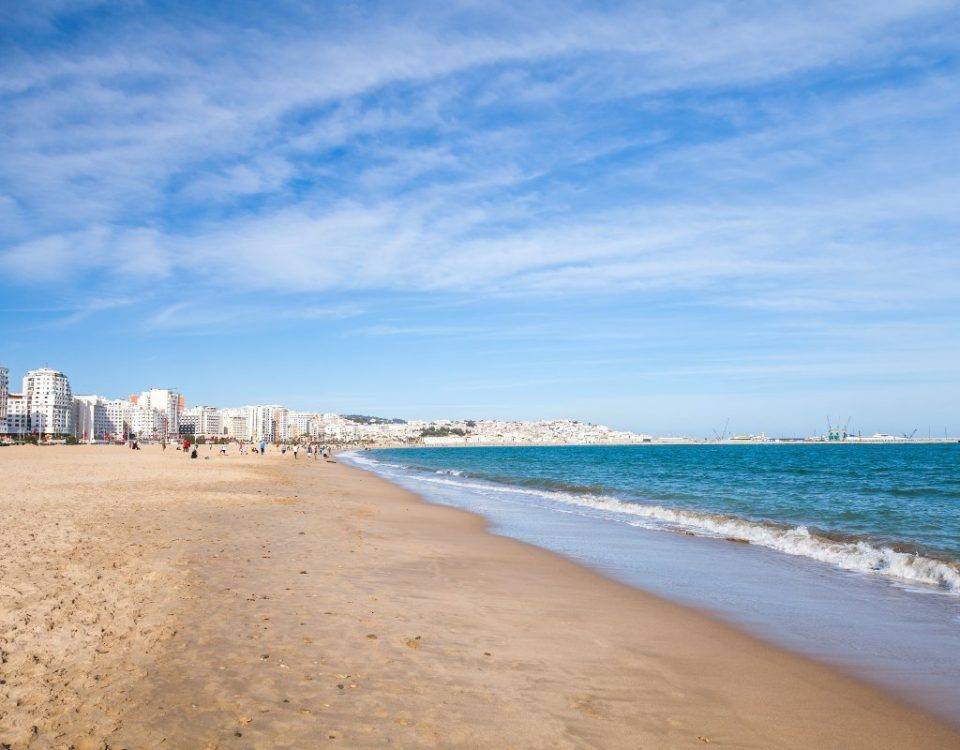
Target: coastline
{"x": 299, "y": 602}
{"x": 655, "y": 443}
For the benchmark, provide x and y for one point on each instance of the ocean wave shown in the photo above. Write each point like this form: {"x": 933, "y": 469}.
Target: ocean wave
{"x": 534, "y": 483}
{"x": 852, "y": 554}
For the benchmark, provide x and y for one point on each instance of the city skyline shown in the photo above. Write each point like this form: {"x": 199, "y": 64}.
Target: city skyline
{"x": 652, "y": 216}
{"x": 46, "y": 398}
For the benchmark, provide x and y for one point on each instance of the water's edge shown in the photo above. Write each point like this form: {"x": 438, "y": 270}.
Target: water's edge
{"x": 795, "y": 603}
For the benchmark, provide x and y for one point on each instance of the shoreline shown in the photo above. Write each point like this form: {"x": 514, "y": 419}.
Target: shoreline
{"x": 300, "y": 602}
{"x": 764, "y": 573}
{"x": 656, "y": 443}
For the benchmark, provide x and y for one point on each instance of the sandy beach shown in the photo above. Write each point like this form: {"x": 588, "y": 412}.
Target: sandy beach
{"x": 152, "y": 601}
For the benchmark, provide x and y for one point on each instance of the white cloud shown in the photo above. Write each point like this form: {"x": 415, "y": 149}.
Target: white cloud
{"x": 107, "y": 129}
{"x": 115, "y": 153}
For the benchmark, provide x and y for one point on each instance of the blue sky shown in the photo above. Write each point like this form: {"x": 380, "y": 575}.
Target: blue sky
{"x": 654, "y": 215}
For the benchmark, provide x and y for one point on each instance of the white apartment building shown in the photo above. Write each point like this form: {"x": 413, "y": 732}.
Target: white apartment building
{"x": 115, "y": 418}
{"x": 201, "y": 420}
{"x": 49, "y": 402}
{"x": 189, "y": 422}
{"x": 4, "y": 392}
{"x": 266, "y": 422}
{"x": 302, "y": 424}
{"x": 147, "y": 422}
{"x": 90, "y": 418}
{"x": 233, "y": 423}
{"x": 211, "y": 423}
{"x": 168, "y": 402}
{"x": 17, "y": 422}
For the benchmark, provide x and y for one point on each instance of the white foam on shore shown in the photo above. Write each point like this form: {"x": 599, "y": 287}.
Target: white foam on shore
{"x": 857, "y": 556}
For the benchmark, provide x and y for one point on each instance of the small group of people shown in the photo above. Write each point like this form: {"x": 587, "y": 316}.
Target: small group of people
{"x": 187, "y": 449}
{"x": 314, "y": 450}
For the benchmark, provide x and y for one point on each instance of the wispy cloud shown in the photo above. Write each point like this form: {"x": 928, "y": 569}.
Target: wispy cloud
{"x": 760, "y": 161}
{"x": 201, "y": 317}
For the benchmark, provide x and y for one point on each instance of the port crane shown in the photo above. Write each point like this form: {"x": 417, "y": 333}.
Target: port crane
{"x": 837, "y": 432}
{"x": 720, "y": 438}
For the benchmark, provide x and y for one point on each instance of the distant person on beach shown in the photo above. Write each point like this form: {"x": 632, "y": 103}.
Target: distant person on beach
{"x": 263, "y": 447}
{"x": 193, "y": 453}
{"x": 296, "y": 450}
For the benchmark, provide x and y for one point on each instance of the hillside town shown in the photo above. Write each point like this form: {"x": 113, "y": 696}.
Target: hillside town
{"x": 46, "y": 410}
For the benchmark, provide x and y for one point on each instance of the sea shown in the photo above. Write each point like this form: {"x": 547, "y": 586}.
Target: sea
{"x": 849, "y": 554}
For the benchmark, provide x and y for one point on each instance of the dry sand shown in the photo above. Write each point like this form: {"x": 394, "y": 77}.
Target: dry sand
{"x": 152, "y": 601}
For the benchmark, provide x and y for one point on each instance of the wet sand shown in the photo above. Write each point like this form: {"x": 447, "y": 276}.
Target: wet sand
{"x": 148, "y": 601}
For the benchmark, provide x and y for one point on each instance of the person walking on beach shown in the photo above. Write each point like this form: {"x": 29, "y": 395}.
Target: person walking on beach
{"x": 296, "y": 450}
{"x": 263, "y": 447}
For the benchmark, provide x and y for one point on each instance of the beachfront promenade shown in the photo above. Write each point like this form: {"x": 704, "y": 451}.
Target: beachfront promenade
{"x": 148, "y": 600}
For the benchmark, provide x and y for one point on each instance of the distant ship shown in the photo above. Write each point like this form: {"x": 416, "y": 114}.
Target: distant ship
{"x": 877, "y": 437}
{"x": 761, "y": 438}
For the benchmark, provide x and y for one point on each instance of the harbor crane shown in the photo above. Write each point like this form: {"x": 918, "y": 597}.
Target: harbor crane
{"x": 837, "y": 432}
{"x": 721, "y": 438}
{"x": 910, "y": 436}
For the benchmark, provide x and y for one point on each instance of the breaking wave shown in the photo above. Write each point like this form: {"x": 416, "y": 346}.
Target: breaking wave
{"x": 900, "y": 565}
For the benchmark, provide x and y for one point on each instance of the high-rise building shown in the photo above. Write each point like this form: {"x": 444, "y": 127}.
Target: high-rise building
{"x": 302, "y": 425}
{"x": 116, "y": 419}
{"x": 147, "y": 422}
{"x": 90, "y": 418}
{"x": 17, "y": 423}
{"x": 166, "y": 401}
{"x": 210, "y": 423}
{"x": 233, "y": 423}
{"x": 49, "y": 402}
{"x": 266, "y": 422}
{"x": 189, "y": 422}
{"x": 4, "y": 391}
{"x": 201, "y": 420}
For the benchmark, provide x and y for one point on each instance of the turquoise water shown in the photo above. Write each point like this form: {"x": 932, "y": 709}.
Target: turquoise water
{"x": 893, "y": 510}
{"x": 853, "y": 553}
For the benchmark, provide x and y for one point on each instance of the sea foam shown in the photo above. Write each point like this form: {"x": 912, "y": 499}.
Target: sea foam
{"x": 855, "y": 555}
